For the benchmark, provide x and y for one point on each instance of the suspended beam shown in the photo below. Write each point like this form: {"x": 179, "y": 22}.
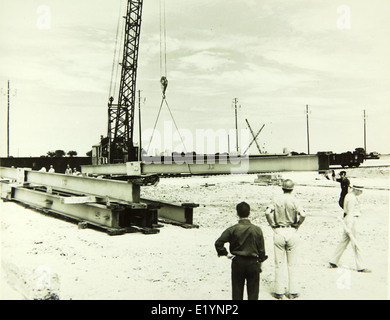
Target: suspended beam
{"x": 221, "y": 165}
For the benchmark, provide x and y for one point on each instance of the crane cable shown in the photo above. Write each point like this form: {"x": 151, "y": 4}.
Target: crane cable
{"x": 163, "y": 48}
{"x": 163, "y": 65}
{"x": 174, "y": 122}
{"x": 115, "y": 53}
{"x": 163, "y": 74}
{"x": 163, "y": 40}
{"x": 154, "y": 128}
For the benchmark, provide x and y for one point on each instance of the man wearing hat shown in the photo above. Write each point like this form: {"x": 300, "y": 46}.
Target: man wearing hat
{"x": 344, "y": 184}
{"x": 285, "y": 216}
{"x": 350, "y": 221}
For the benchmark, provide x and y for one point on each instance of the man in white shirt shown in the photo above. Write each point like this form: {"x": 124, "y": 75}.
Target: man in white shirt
{"x": 350, "y": 221}
{"x": 68, "y": 170}
{"x": 285, "y": 216}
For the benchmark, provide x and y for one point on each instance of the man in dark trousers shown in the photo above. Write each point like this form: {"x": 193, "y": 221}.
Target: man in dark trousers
{"x": 344, "y": 183}
{"x": 247, "y": 246}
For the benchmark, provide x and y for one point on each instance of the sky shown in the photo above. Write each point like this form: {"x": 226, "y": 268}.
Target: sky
{"x": 274, "y": 56}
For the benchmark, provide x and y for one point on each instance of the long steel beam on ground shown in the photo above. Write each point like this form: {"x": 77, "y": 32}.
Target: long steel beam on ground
{"x": 82, "y": 192}
{"x": 219, "y": 166}
{"x": 182, "y": 214}
{"x": 113, "y": 189}
{"x": 94, "y": 213}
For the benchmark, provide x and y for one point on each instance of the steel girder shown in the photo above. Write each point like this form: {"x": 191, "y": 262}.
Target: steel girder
{"x": 114, "y": 218}
{"x": 182, "y": 214}
{"x": 102, "y": 202}
{"x": 116, "y": 190}
{"x": 233, "y": 165}
{"x": 98, "y": 214}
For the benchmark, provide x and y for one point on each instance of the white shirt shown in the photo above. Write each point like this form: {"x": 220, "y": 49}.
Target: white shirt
{"x": 352, "y": 205}
{"x": 286, "y": 210}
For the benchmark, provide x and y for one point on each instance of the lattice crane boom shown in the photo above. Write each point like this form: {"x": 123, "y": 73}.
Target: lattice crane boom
{"x": 119, "y": 146}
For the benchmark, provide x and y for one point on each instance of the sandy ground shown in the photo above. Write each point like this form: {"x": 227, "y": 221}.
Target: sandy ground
{"x": 45, "y": 257}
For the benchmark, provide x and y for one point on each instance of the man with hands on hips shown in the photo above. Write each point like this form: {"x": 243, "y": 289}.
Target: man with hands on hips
{"x": 285, "y": 216}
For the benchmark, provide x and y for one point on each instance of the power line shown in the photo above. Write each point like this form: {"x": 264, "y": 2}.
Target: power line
{"x": 8, "y": 120}
{"x": 365, "y": 130}
{"x": 307, "y": 129}
{"x": 235, "y": 101}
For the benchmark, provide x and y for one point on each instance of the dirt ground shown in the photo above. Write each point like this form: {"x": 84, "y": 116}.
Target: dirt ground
{"x": 43, "y": 257}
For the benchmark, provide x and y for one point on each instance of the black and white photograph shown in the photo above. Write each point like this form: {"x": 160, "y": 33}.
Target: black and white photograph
{"x": 192, "y": 150}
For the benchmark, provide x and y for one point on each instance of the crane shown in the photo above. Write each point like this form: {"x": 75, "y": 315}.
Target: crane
{"x": 118, "y": 146}
{"x": 116, "y": 206}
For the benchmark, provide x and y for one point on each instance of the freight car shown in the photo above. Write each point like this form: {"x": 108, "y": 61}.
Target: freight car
{"x": 348, "y": 159}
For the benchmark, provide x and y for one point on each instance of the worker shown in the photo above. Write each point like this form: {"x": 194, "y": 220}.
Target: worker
{"x": 344, "y": 183}
{"x": 247, "y": 246}
{"x": 43, "y": 169}
{"x": 51, "y": 169}
{"x": 68, "y": 170}
{"x": 350, "y": 224}
{"x": 285, "y": 216}
{"x": 76, "y": 172}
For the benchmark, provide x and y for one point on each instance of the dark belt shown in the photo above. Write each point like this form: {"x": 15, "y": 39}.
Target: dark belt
{"x": 276, "y": 227}
{"x": 246, "y": 257}
{"x": 250, "y": 258}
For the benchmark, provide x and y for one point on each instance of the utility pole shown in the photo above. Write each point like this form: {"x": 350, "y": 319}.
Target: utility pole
{"x": 235, "y": 100}
{"x": 8, "y": 120}
{"x": 307, "y": 129}
{"x": 365, "y": 131}
{"x": 139, "y": 125}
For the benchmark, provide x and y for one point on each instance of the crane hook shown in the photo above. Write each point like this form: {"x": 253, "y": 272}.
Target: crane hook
{"x": 164, "y": 84}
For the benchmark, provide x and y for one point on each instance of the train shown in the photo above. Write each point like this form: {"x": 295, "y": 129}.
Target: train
{"x": 348, "y": 159}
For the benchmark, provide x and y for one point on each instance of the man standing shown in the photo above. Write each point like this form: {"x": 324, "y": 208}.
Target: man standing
{"x": 344, "y": 183}
{"x": 68, "y": 170}
{"x": 350, "y": 221}
{"x": 247, "y": 245}
{"x": 285, "y": 216}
